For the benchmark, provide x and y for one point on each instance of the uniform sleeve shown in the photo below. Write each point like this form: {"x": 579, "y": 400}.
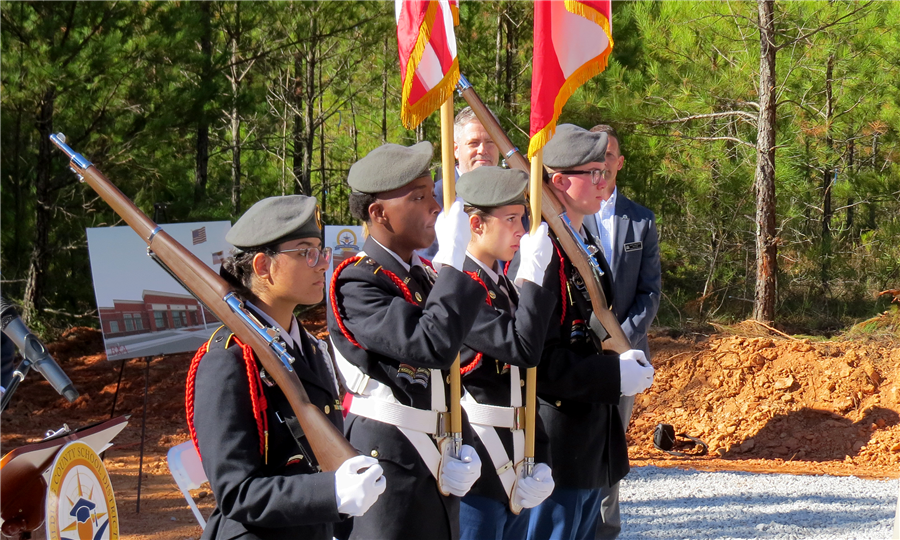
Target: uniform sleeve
{"x": 563, "y": 372}
{"x": 517, "y": 340}
{"x": 230, "y": 452}
{"x": 428, "y": 336}
{"x": 647, "y": 294}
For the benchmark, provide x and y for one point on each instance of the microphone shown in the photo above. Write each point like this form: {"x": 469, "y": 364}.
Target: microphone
{"x": 34, "y": 351}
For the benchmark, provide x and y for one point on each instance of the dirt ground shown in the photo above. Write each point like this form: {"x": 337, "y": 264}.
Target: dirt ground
{"x": 762, "y": 401}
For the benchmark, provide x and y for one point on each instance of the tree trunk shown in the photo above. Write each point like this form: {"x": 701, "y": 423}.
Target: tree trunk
{"x": 235, "y": 135}
{"x": 384, "y": 98}
{"x": 297, "y": 135}
{"x": 37, "y": 268}
{"x": 202, "y": 159}
{"x": 766, "y": 240}
{"x": 827, "y": 181}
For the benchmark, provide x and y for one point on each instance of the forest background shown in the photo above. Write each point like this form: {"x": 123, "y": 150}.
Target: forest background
{"x": 207, "y": 107}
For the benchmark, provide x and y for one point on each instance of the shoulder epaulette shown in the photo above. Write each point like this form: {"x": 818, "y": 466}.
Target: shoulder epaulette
{"x": 222, "y": 336}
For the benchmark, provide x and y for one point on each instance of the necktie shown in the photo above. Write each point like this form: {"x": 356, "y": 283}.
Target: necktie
{"x": 417, "y": 273}
{"x": 504, "y": 285}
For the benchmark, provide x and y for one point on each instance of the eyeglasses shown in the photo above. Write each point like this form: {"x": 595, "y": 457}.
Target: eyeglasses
{"x": 312, "y": 254}
{"x": 596, "y": 174}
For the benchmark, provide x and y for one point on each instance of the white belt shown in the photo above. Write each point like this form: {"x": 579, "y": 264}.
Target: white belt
{"x": 485, "y": 420}
{"x": 492, "y": 415}
{"x": 376, "y": 401}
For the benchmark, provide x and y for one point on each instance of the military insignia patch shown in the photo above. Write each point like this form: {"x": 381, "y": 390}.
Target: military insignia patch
{"x": 413, "y": 375}
{"x": 578, "y": 332}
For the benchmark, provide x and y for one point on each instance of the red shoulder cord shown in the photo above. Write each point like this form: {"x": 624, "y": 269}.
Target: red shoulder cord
{"x": 478, "y": 356}
{"x": 256, "y": 393}
{"x": 407, "y": 295}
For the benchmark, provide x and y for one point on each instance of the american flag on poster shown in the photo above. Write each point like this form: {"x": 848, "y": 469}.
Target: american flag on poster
{"x": 429, "y": 68}
{"x": 218, "y": 257}
{"x": 572, "y": 43}
{"x": 198, "y": 236}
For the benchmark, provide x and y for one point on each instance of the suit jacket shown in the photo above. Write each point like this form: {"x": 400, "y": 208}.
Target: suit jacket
{"x": 259, "y": 496}
{"x": 400, "y": 342}
{"x": 504, "y": 339}
{"x": 578, "y": 390}
{"x": 636, "y": 272}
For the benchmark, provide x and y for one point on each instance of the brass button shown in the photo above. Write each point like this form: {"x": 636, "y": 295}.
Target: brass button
{"x": 558, "y": 403}
{"x": 521, "y": 382}
{"x": 418, "y": 297}
{"x": 374, "y": 453}
{"x": 327, "y": 409}
{"x": 492, "y": 294}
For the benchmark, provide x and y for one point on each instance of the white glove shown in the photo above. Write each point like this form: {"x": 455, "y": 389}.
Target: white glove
{"x": 635, "y": 371}
{"x": 535, "y": 253}
{"x": 356, "y": 490}
{"x": 453, "y": 235}
{"x": 458, "y": 475}
{"x": 531, "y": 491}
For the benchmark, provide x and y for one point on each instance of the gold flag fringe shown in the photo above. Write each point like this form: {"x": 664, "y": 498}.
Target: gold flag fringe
{"x": 581, "y": 75}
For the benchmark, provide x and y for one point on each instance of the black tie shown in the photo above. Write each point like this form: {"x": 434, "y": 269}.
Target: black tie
{"x": 418, "y": 274}
{"x": 504, "y": 285}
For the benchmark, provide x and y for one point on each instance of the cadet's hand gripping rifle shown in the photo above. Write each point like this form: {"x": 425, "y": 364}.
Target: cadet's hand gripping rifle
{"x": 328, "y": 444}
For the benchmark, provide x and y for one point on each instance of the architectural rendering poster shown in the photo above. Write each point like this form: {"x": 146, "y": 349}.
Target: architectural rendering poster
{"x": 345, "y": 241}
{"x": 143, "y": 310}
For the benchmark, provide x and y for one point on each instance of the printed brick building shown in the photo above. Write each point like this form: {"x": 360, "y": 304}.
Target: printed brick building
{"x": 155, "y": 312}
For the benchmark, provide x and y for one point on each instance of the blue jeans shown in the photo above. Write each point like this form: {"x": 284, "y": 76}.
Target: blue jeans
{"x": 568, "y": 514}
{"x": 482, "y": 518}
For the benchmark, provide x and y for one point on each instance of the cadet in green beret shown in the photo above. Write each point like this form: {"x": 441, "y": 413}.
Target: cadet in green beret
{"x": 397, "y": 327}
{"x": 263, "y": 475}
{"x": 495, "y": 353}
{"x": 578, "y": 385}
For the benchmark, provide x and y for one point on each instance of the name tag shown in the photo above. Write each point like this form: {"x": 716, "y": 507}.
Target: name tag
{"x": 634, "y": 246}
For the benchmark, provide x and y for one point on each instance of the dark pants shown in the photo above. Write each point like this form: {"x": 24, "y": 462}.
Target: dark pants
{"x": 482, "y": 518}
{"x": 610, "y": 523}
{"x": 568, "y": 514}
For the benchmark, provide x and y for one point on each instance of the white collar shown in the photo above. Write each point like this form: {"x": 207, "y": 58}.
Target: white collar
{"x": 494, "y": 274}
{"x": 290, "y": 338}
{"x": 416, "y": 260}
{"x": 610, "y": 202}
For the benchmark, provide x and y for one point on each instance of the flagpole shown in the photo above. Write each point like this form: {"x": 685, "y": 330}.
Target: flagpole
{"x": 449, "y": 176}
{"x": 535, "y": 196}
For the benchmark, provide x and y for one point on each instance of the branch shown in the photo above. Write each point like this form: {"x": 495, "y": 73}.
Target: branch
{"x": 823, "y": 27}
{"x": 743, "y": 114}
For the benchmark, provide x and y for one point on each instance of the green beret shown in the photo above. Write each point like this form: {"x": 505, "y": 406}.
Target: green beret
{"x": 488, "y": 187}
{"x": 390, "y": 166}
{"x": 275, "y": 220}
{"x": 572, "y": 146}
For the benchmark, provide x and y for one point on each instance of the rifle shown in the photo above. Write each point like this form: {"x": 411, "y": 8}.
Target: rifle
{"x": 604, "y": 325}
{"x": 328, "y": 444}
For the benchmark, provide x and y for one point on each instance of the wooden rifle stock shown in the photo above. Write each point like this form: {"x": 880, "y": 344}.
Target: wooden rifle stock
{"x": 555, "y": 216}
{"x": 328, "y": 444}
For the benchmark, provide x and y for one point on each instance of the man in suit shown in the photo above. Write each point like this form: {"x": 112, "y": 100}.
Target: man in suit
{"x": 627, "y": 233}
{"x": 472, "y": 148}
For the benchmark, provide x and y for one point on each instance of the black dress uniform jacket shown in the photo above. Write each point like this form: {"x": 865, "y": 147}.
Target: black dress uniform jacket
{"x": 260, "y": 496}
{"x": 400, "y": 343}
{"x": 578, "y": 389}
{"x": 512, "y": 340}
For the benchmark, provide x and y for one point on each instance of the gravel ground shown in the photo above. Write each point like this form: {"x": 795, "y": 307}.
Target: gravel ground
{"x": 674, "y": 503}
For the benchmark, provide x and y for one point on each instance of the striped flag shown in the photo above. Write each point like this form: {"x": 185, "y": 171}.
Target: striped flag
{"x": 198, "y": 236}
{"x": 429, "y": 68}
{"x": 572, "y": 43}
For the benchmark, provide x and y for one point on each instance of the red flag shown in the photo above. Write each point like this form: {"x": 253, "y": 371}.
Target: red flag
{"x": 429, "y": 68}
{"x": 572, "y": 42}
